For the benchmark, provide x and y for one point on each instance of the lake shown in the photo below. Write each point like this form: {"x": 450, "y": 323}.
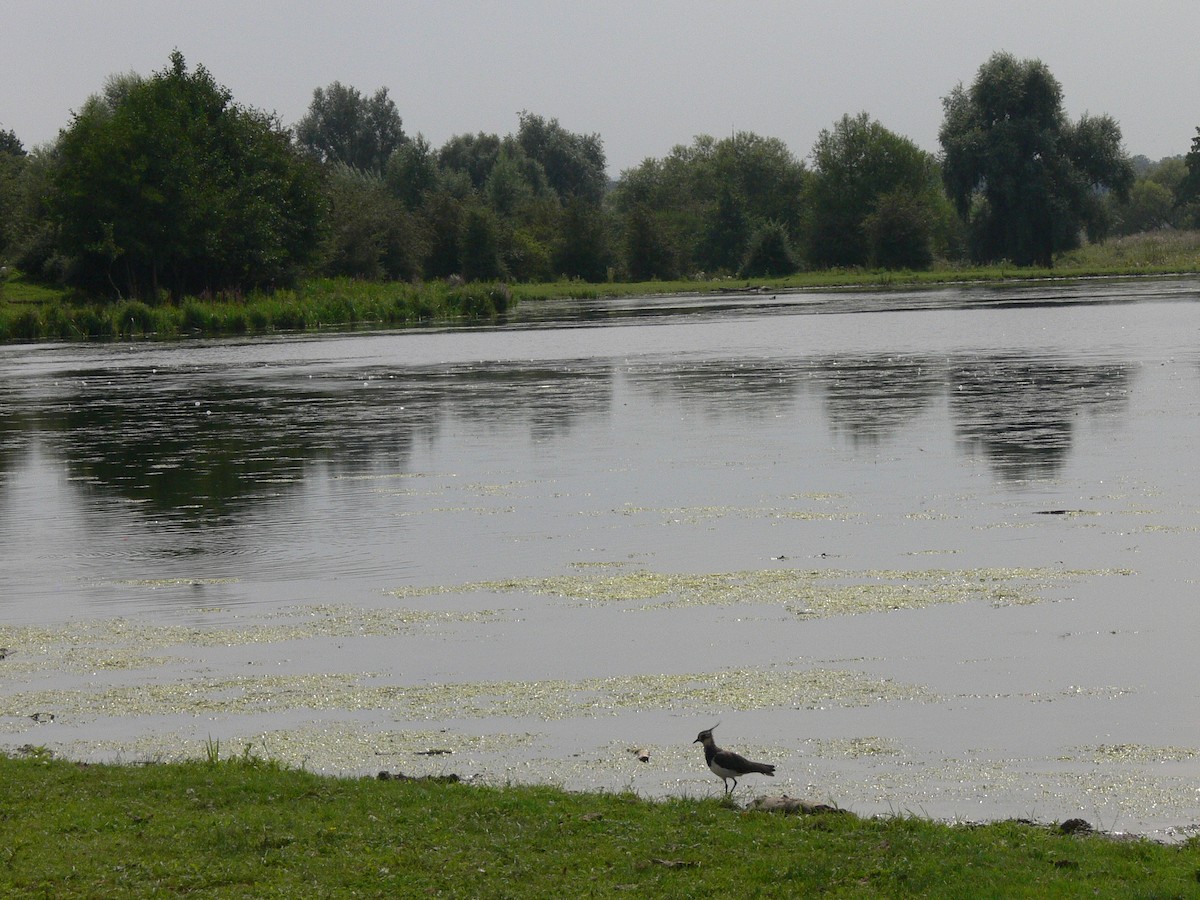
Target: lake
{"x": 929, "y": 551}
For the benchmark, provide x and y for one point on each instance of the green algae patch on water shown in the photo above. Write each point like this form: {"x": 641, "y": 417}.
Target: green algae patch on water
{"x": 120, "y": 643}
{"x": 803, "y": 592}
{"x": 552, "y": 699}
{"x": 693, "y": 515}
{"x": 1139, "y": 754}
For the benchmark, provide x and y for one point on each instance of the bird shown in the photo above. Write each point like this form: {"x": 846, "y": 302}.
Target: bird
{"x": 729, "y": 765}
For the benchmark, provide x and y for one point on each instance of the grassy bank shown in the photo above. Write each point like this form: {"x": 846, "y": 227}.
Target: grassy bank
{"x": 31, "y": 312}
{"x": 244, "y": 827}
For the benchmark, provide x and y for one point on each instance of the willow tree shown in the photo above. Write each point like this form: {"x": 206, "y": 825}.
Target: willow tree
{"x": 1026, "y": 179}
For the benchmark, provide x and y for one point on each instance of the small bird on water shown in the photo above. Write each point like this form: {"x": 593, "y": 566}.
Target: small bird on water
{"x": 726, "y": 764}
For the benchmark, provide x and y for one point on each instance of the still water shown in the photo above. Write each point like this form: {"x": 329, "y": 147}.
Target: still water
{"x": 928, "y": 551}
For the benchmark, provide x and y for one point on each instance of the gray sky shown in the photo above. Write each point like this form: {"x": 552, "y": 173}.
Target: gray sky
{"x": 644, "y": 74}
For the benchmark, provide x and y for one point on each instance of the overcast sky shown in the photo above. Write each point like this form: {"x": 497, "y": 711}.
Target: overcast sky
{"x": 643, "y": 74}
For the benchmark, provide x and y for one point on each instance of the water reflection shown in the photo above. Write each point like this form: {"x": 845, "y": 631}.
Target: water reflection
{"x": 548, "y": 400}
{"x": 869, "y": 398}
{"x": 202, "y": 448}
{"x": 1017, "y": 412}
{"x": 1021, "y": 414}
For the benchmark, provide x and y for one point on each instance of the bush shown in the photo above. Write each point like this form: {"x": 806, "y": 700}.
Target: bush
{"x": 135, "y": 318}
{"x": 24, "y": 326}
{"x": 899, "y": 232}
{"x": 479, "y": 301}
{"x": 196, "y": 318}
{"x": 770, "y": 253}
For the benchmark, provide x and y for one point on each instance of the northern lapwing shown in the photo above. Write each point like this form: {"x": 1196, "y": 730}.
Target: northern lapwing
{"x": 727, "y": 764}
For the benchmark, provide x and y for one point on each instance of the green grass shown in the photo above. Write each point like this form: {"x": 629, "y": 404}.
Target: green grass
{"x": 30, "y": 312}
{"x": 244, "y": 827}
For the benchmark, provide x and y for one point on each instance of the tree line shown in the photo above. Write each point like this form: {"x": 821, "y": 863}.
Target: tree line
{"x": 164, "y": 186}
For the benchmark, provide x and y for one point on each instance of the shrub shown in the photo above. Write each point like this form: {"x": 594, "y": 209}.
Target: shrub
{"x": 770, "y": 253}
{"x": 899, "y": 232}
{"x": 478, "y": 301}
{"x": 135, "y": 317}
{"x": 24, "y": 326}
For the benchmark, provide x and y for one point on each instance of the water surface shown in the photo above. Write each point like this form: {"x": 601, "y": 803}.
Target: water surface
{"x": 929, "y": 551}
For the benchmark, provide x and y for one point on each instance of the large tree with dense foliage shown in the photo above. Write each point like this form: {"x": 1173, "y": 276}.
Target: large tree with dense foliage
{"x": 697, "y": 209}
{"x": 875, "y": 197}
{"x": 1027, "y": 180}
{"x": 171, "y": 186}
{"x": 574, "y": 163}
{"x": 345, "y": 126}
{"x": 369, "y": 233}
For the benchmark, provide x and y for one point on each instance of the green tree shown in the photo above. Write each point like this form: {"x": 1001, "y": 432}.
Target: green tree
{"x": 1188, "y": 191}
{"x": 508, "y": 189}
{"x": 899, "y": 231}
{"x": 649, "y": 251}
{"x": 1026, "y": 179}
{"x": 582, "y": 248}
{"x": 12, "y": 164}
{"x": 369, "y": 233}
{"x": 574, "y": 163}
{"x": 475, "y": 155}
{"x": 344, "y": 126}
{"x": 1150, "y": 206}
{"x": 172, "y": 186}
{"x": 479, "y": 245}
{"x": 412, "y": 172}
{"x": 707, "y": 198}
{"x": 856, "y": 164}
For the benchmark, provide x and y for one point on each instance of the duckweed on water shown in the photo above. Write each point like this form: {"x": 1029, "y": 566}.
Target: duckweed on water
{"x": 712, "y": 692}
{"x": 807, "y": 593}
{"x": 1138, "y": 753}
{"x": 123, "y": 644}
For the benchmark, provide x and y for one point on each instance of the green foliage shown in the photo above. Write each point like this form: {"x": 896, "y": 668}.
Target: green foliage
{"x": 525, "y": 257}
{"x": 12, "y": 164}
{"x": 1187, "y": 190}
{"x": 30, "y": 231}
{"x": 478, "y": 301}
{"x": 176, "y": 188}
{"x": 1027, "y": 180}
{"x": 769, "y": 254}
{"x": 649, "y": 251}
{"x": 479, "y": 248}
{"x": 1151, "y": 205}
{"x": 899, "y": 230}
{"x": 344, "y": 126}
{"x": 582, "y": 248}
{"x": 857, "y": 164}
{"x": 10, "y": 144}
{"x": 699, "y": 206}
{"x": 574, "y": 163}
{"x": 474, "y": 155}
{"x": 368, "y": 233}
{"x": 134, "y": 318}
{"x": 412, "y": 172}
